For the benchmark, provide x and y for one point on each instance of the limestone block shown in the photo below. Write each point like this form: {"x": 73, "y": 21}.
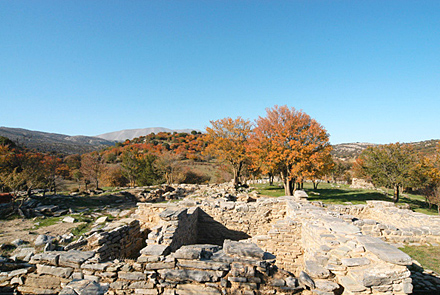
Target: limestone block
{"x": 355, "y": 261}
{"x": 132, "y": 276}
{"x": 85, "y": 287}
{"x": 180, "y": 275}
{"x": 142, "y": 285}
{"x": 186, "y": 289}
{"x": 155, "y": 250}
{"x": 63, "y": 272}
{"x": 74, "y": 258}
{"x": 160, "y": 265}
{"x": 384, "y": 251}
{"x": 243, "y": 249}
{"x": 351, "y": 285}
{"x": 315, "y": 270}
{"x": 325, "y": 285}
{"x": 206, "y": 264}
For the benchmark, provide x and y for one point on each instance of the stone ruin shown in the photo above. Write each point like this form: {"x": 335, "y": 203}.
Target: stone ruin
{"x": 217, "y": 241}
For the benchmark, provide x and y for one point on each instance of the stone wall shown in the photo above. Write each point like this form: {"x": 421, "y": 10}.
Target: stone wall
{"x": 359, "y": 263}
{"x": 121, "y": 239}
{"x": 391, "y": 223}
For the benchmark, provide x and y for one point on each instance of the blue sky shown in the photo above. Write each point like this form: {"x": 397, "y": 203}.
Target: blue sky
{"x": 369, "y": 71}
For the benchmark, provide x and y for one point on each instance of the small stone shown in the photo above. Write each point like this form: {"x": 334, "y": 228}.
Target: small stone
{"x": 69, "y": 219}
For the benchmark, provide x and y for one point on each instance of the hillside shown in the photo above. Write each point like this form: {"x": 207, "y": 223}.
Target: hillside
{"x": 129, "y": 134}
{"x": 350, "y": 151}
{"x": 53, "y": 142}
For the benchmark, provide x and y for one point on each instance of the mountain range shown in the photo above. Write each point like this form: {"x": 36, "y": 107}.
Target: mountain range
{"x": 122, "y": 135}
{"x": 61, "y": 143}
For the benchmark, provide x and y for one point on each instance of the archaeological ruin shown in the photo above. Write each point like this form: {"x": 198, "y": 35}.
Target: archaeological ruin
{"x": 215, "y": 240}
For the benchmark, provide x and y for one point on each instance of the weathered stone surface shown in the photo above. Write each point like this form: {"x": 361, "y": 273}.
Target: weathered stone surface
{"x": 85, "y": 287}
{"x": 63, "y": 272}
{"x": 132, "y": 276}
{"x": 42, "y": 240}
{"x": 155, "y": 250}
{"x": 300, "y": 195}
{"x": 315, "y": 270}
{"x": 160, "y": 265}
{"x": 382, "y": 275}
{"x": 186, "y": 289}
{"x": 101, "y": 220}
{"x": 209, "y": 265}
{"x": 142, "y": 285}
{"x": 74, "y": 258}
{"x": 188, "y": 253}
{"x": 243, "y": 249}
{"x": 351, "y": 285}
{"x": 355, "y": 261}
{"x": 36, "y": 290}
{"x": 69, "y": 219}
{"x": 384, "y": 251}
{"x": 172, "y": 214}
{"x": 325, "y": 285}
{"x": 180, "y": 275}
{"x": 305, "y": 280}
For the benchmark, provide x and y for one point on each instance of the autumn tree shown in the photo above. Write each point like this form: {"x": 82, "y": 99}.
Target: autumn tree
{"x": 428, "y": 175}
{"x": 387, "y": 165}
{"x": 91, "y": 168}
{"x": 227, "y": 140}
{"x": 288, "y": 141}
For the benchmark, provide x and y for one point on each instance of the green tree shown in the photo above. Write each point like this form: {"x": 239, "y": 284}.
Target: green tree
{"x": 388, "y": 165}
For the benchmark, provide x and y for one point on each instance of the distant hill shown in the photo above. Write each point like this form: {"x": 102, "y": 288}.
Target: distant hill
{"x": 350, "y": 151}
{"x": 122, "y": 135}
{"x": 53, "y": 142}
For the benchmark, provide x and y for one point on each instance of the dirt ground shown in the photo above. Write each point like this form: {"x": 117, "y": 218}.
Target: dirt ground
{"x": 11, "y": 230}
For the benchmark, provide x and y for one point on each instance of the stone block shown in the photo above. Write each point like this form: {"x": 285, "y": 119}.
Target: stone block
{"x": 242, "y": 249}
{"x": 186, "y": 289}
{"x": 74, "y": 258}
{"x": 155, "y": 250}
{"x": 384, "y": 251}
{"x": 315, "y": 270}
{"x": 63, "y": 272}
{"x": 206, "y": 264}
{"x": 132, "y": 276}
{"x": 350, "y": 262}
{"x": 181, "y": 275}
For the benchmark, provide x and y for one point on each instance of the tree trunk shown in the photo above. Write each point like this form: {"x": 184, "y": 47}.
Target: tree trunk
{"x": 315, "y": 184}
{"x": 396, "y": 194}
{"x": 270, "y": 179}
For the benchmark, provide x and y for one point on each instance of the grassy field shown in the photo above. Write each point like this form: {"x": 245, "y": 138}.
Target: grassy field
{"x": 429, "y": 257}
{"x": 340, "y": 194}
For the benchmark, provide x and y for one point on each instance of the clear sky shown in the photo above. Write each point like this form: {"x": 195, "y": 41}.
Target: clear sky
{"x": 369, "y": 71}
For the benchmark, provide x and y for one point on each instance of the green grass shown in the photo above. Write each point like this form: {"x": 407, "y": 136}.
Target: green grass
{"x": 340, "y": 194}
{"x": 428, "y": 256}
{"x": 47, "y": 221}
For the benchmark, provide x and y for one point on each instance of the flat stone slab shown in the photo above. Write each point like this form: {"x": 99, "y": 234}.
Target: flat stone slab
{"x": 74, "y": 258}
{"x": 243, "y": 249}
{"x": 315, "y": 270}
{"x": 155, "y": 250}
{"x": 85, "y": 287}
{"x": 172, "y": 214}
{"x": 384, "y": 251}
{"x": 355, "y": 261}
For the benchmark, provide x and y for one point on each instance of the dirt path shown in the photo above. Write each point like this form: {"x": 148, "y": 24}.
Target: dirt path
{"x": 11, "y": 230}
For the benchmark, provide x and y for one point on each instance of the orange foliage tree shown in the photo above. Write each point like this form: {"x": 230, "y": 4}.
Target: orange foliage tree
{"x": 227, "y": 140}
{"x": 289, "y": 142}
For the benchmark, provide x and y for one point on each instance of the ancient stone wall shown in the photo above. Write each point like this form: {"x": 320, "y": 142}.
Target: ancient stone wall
{"x": 359, "y": 263}
{"x": 122, "y": 239}
{"x": 391, "y": 223}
